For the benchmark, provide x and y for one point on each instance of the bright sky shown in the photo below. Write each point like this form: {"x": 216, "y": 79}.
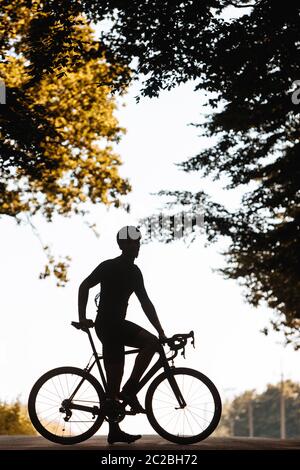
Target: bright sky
{"x": 35, "y": 333}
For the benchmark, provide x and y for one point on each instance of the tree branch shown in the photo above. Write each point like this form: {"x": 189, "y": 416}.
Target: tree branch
{"x": 242, "y": 6}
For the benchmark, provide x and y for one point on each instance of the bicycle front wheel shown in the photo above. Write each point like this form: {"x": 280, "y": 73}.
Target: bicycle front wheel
{"x": 64, "y": 405}
{"x": 194, "y": 420}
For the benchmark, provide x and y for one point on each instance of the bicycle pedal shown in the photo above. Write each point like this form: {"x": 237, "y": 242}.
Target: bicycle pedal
{"x": 131, "y": 412}
{"x": 114, "y": 410}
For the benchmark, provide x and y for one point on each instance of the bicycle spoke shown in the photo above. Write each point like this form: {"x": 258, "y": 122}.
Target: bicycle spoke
{"x": 53, "y": 413}
{"x": 190, "y": 421}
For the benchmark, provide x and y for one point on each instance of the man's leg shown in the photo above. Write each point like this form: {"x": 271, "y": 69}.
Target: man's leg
{"x": 114, "y": 373}
{"x": 113, "y": 358}
{"x": 114, "y": 367}
{"x": 148, "y": 344}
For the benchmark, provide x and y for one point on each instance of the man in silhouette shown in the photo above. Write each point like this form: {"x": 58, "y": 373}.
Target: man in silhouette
{"x": 119, "y": 278}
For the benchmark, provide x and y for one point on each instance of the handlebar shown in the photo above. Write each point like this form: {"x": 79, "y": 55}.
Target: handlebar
{"x": 179, "y": 341}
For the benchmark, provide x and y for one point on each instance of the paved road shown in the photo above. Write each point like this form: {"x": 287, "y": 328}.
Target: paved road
{"x": 149, "y": 442}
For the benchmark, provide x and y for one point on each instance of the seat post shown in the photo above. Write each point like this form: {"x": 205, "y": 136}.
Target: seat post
{"x": 103, "y": 378}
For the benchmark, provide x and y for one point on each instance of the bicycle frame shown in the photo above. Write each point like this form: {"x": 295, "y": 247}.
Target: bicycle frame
{"x": 162, "y": 362}
{"x": 67, "y": 405}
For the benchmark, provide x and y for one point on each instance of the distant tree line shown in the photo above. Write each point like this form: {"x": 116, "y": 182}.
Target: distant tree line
{"x": 14, "y": 419}
{"x": 264, "y": 414}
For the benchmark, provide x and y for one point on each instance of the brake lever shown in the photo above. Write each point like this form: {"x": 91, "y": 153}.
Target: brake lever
{"x": 192, "y": 339}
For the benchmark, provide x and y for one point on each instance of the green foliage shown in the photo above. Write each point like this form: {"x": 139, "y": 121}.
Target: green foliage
{"x": 254, "y": 65}
{"x": 266, "y": 412}
{"x": 169, "y": 39}
{"x": 58, "y": 125}
{"x": 50, "y": 160}
{"x": 14, "y": 419}
{"x": 247, "y": 66}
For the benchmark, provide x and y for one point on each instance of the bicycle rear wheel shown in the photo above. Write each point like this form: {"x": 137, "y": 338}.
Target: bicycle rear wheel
{"x": 188, "y": 424}
{"x": 51, "y": 401}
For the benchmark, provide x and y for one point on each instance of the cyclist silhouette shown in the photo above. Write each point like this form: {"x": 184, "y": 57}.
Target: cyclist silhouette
{"x": 119, "y": 278}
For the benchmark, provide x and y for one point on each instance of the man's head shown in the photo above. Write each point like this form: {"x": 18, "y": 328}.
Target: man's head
{"x": 128, "y": 239}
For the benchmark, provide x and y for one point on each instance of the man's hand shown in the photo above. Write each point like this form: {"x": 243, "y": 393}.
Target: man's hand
{"x": 86, "y": 323}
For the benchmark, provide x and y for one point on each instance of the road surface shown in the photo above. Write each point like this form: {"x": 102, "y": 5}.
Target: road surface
{"x": 150, "y": 442}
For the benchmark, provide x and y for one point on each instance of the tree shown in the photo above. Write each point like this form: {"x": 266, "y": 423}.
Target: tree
{"x": 248, "y": 66}
{"x": 266, "y": 412}
{"x": 171, "y": 40}
{"x": 58, "y": 125}
{"x": 253, "y": 70}
{"x": 251, "y": 73}
{"x": 236, "y": 416}
{"x": 14, "y": 419}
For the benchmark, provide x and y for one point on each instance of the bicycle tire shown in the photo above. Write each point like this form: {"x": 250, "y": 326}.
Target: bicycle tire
{"x": 160, "y": 387}
{"x": 59, "y": 389}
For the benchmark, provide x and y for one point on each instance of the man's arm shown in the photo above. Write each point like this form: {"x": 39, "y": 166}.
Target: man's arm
{"x": 147, "y": 305}
{"x": 83, "y": 293}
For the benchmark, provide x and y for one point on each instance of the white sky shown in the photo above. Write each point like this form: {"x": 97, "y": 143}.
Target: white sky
{"x": 35, "y": 332}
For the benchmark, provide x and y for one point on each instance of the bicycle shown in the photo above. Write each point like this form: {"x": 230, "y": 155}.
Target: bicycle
{"x": 66, "y": 405}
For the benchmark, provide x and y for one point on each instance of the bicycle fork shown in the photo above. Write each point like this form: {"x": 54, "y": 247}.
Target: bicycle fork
{"x": 176, "y": 389}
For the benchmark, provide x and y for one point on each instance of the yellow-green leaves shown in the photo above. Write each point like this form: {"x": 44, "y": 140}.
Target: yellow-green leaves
{"x": 56, "y": 126}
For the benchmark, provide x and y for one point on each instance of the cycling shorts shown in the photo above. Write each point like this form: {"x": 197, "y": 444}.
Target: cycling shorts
{"x": 115, "y": 336}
